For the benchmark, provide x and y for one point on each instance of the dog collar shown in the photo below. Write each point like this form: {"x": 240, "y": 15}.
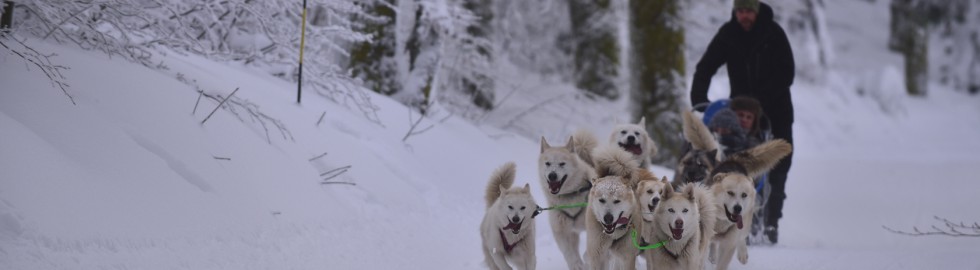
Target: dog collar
{"x": 507, "y": 246}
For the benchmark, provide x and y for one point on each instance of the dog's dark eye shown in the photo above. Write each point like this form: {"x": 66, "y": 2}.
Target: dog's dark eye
{"x": 602, "y": 200}
{"x": 523, "y": 207}
{"x": 637, "y": 133}
{"x": 561, "y": 164}
{"x": 649, "y": 191}
{"x": 511, "y": 207}
{"x": 744, "y": 195}
{"x": 685, "y": 210}
{"x": 547, "y": 163}
{"x": 670, "y": 210}
{"x": 623, "y": 132}
{"x": 616, "y": 201}
{"x": 731, "y": 194}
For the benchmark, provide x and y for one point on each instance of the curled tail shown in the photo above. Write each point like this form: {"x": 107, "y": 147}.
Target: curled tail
{"x": 760, "y": 159}
{"x": 697, "y": 133}
{"x": 612, "y": 160}
{"x": 584, "y": 142}
{"x": 502, "y": 178}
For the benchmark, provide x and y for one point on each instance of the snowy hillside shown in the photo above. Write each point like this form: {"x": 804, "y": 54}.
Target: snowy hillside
{"x": 130, "y": 178}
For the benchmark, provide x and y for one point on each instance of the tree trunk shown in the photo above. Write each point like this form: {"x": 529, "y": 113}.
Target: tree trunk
{"x": 657, "y": 65}
{"x": 596, "y": 50}
{"x": 909, "y": 37}
{"x": 7, "y": 17}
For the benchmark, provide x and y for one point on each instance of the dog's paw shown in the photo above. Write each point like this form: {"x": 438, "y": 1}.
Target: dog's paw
{"x": 743, "y": 257}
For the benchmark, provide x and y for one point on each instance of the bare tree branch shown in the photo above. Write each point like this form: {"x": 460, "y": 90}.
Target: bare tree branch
{"x": 951, "y": 229}
{"x": 219, "y": 105}
{"x": 321, "y": 118}
{"x": 42, "y": 62}
{"x": 318, "y": 157}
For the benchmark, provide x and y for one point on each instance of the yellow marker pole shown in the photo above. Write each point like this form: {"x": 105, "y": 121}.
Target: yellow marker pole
{"x": 302, "y": 44}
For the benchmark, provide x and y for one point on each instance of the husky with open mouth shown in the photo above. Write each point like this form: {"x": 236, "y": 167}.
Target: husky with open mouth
{"x": 634, "y": 139}
{"x": 565, "y": 178}
{"x": 507, "y": 229}
{"x": 611, "y": 213}
{"x": 684, "y": 220}
{"x": 734, "y": 190}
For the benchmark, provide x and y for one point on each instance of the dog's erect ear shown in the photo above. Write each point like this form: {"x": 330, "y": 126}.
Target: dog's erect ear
{"x": 715, "y": 179}
{"x": 664, "y": 180}
{"x": 713, "y": 157}
{"x": 668, "y": 190}
{"x": 570, "y": 145}
{"x": 544, "y": 144}
{"x": 643, "y": 122}
{"x": 690, "y": 192}
{"x": 527, "y": 187}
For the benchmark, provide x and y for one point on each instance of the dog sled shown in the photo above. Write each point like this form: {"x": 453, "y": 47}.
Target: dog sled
{"x": 762, "y": 186}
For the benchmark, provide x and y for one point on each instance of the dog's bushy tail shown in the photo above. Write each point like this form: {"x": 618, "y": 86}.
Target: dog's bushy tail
{"x": 585, "y": 142}
{"x": 612, "y": 160}
{"x": 502, "y": 177}
{"x": 761, "y": 158}
{"x": 707, "y": 209}
{"x": 697, "y": 133}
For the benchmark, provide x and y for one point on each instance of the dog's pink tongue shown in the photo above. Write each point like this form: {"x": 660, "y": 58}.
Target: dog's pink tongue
{"x": 636, "y": 150}
{"x": 738, "y": 221}
{"x": 623, "y": 220}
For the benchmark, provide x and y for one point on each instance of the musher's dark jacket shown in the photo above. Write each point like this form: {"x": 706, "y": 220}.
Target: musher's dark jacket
{"x": 760, "y": 65}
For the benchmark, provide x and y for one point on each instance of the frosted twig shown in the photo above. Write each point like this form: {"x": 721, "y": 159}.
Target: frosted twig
{"x": 219, "y": 105}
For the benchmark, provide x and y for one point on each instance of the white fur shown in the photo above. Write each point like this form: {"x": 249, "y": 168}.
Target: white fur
{"x": 622, "y": 133}
{"x": 506, "y": 204}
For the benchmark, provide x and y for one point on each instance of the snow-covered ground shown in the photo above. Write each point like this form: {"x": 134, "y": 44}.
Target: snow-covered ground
{"x": 130, "y": 179}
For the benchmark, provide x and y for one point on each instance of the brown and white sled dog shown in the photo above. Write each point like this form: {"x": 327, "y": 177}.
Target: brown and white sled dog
{"x": 696, "y": 165}
{"x": 611, "y": 213}
{"x": 634, "y": 139}
{"x": 685, "y": 219}
{"x": 566, "y": 179}
{"x": 507, "y": 229}
{"x": 734, "y": 191}
{"x": 649, "y": 194}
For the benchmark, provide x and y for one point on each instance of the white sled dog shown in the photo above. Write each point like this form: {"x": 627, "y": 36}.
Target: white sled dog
{"x": 507, "y": 229}
{"x": 649, "y": 194}
{"x": 695, "y": 166}
{"x": 734, "y": 190}
{"x": 611, "y": 213}
{"x": 685, "y": 220}
{"x": 566, "y": 178}
{"x": 634, "y": 139}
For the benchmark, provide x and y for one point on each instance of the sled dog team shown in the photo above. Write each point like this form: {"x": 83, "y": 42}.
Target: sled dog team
{"x": 624, "y": 209}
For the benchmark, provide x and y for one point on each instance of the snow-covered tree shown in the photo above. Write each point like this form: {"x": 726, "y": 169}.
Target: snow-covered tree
{"x": 595, "y": 47}
{"x": 263, "y": 34}
{"x": 373, "y": 61}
